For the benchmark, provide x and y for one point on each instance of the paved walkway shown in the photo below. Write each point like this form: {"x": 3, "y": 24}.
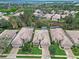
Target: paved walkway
{"x": 13, "y": 53}
{"x": 69, "y": 54}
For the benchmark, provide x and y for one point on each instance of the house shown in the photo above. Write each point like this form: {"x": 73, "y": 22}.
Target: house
{"x": 58, "y": 35}
{"x": 66, "y": 43}
{"x": 66, "y": 12}
{"x": 1, "y": 14}
{"x": 53, "y": 12}
{"x": 18, "y": 14}
{"x": 38, "y": 13}
{"x": 74, "y": 34}
{"x": 56, "y": 17}
{"x": 6, "y": 36}
{"x": 6, "y": 17}
{"x": 63, "y": 16}
{"x": 73, "y": 13}
{"x": 24, "y": 35}
{"x": 48, "y": 16}
{"x": 37, "y": 37}
{"x": 46, "y": 39}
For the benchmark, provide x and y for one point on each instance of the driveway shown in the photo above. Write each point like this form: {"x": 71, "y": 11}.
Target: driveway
{"x": 45, "y": 53}
{"x": 13, "y": 53}
{"x": 69, "y": 54}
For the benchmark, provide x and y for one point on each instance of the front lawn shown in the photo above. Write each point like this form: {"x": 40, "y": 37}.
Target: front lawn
{"x": 35, "y": 50}
{"x": 58, "y": 58}
{"x": 30, "y": 49}
{"x": 39, "y": 57}
{"x": 55, "y": 50}
{"x": 28, "y": 56}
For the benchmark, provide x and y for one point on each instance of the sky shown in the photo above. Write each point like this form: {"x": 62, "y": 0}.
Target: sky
{"x": 34, "y": 0}
{"x": 38, "y": 0}
{"x": 49, "y": 0}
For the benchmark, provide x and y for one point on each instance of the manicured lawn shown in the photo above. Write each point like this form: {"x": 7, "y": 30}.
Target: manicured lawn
{"x": 28, "y": 56}
{"x": 58, "y": 58}
{"x": 38, "y": 57}
{"x": 35, "y": 50}
{"x": 55, "y": 50}
{"x": 76, "y": 50}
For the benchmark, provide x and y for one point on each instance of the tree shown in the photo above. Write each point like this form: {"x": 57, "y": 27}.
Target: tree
{"x": 68, "y": 22}
{"x": 76, "y": 23}
{"x": 12, "y": 20}
{"x": 41, "y": 23}
{"x": 5, "y": 24}
{"x": 27, "y": 17}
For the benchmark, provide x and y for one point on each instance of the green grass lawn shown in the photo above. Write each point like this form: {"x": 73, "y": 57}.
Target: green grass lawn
{"x": 58, "y": 58}
{"x": 35, "y": 50}
{"x": 28, "y": 56}
{"x": 75, "y": 51}
{"x": 39, "y": 57}
{"x": 55, "y": 50}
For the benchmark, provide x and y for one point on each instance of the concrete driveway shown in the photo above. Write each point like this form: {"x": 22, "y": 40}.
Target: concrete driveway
{"x": 13, "y": 53}
{"x": 69, "y": 54}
